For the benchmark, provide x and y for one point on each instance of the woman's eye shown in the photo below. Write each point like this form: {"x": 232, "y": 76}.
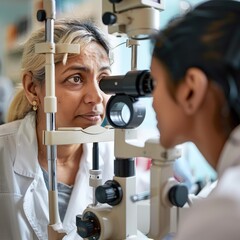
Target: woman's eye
{"x": 76, "y": 79}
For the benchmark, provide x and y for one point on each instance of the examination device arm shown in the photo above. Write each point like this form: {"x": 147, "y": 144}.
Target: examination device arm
{"x": 50, "y": 108}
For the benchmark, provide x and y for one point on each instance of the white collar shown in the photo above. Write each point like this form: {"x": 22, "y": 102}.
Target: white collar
{"x": 26, "y": 162}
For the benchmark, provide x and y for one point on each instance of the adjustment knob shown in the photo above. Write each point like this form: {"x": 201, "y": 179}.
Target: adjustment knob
{"x": 110, "y": 192}
{"x": 109, "y": 18}
{"x": 87, "y": 226}
{"x": 41, "y": 15}
{"x": 178, "y": 195}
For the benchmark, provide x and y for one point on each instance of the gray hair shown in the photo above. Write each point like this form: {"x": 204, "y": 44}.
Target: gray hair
{"x": 70, "y": 31}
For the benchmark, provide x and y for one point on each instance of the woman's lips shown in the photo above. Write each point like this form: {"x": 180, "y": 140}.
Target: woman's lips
{"x": 92, "y": 117}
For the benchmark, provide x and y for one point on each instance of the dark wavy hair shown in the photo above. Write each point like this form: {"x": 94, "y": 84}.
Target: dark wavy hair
{"x": 207, "y": 37}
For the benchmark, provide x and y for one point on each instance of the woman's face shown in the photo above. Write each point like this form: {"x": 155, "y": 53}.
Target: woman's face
{"x": 80, "y": 102}
{"x": 170, "y": 116}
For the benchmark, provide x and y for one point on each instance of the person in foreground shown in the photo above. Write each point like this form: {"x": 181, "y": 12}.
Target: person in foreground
{"x": 196, "y": 72}
{"x": 23, "y": 160}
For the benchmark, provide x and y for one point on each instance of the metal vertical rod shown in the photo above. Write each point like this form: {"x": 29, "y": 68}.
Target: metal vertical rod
{"x": 50, "y": 109}
{"x": 95, "y": 166}
{"x": 50, "y": 116}
{"x": 95, "y": 159}
{"x": 47, "y": 14}
{"x": 51, "y": 155}
{"x": 134, "y": 57}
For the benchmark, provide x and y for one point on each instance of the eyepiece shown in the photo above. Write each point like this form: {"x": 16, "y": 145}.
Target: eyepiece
{"x": 134, "y": 83}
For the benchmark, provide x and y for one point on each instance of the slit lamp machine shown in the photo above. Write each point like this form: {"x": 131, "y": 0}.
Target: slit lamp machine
{"x": 114, "y": 212}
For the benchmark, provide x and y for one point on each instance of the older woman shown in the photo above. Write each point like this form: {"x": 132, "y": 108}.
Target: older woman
{"x": 23, "y": 160}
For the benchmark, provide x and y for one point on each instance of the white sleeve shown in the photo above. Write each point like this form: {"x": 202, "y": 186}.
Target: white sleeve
{"x": 215, "y": 219}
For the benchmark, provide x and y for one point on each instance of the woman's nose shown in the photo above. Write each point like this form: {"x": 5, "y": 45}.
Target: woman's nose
{"x": 93, "y": 93}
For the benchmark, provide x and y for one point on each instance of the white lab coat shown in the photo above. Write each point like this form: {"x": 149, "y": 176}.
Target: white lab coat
{"x": 23, "y": 193}
{"x": 218, "y": 216}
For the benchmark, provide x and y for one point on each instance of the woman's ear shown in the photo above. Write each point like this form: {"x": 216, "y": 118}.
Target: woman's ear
{"x": 29, "y": 87}
{"x": 192, "y": 90}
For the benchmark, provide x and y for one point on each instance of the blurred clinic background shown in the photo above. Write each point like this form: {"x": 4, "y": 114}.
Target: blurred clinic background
{"x": 18, "y": 20}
